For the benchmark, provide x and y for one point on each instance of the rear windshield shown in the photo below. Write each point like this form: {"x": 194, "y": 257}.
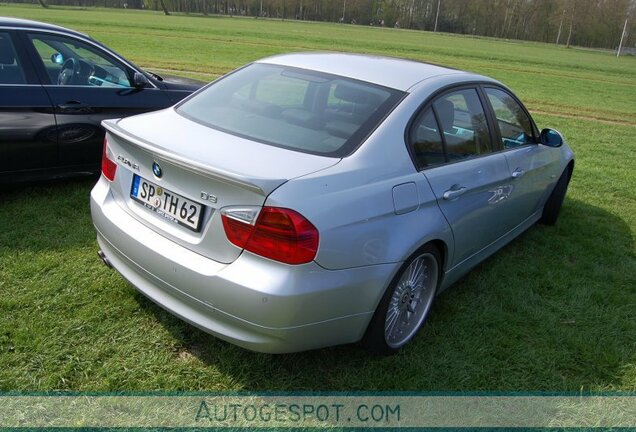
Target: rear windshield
{"x": 293, "y": 108}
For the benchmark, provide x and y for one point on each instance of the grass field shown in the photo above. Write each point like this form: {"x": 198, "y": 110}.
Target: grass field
{"x": 553, "y": 311}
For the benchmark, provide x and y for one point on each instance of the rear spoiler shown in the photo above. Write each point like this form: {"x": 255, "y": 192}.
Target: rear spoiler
{"x": 263, "y": 186}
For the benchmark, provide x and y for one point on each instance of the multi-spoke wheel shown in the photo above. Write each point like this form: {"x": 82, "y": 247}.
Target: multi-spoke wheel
{"x": 406, "y": 303}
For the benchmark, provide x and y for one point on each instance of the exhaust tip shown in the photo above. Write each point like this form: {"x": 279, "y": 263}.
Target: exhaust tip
{"x": 102, "y": 256}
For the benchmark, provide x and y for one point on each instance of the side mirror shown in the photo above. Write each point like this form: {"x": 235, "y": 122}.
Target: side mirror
{"x": 551, "y": 138}
{"x": 57, "y": 58}
{"x": 140, "y": 80}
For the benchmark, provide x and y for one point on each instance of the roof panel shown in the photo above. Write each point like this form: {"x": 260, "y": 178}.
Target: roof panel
{"x": 396, "y": 73}
{"x": 29, "y": 24}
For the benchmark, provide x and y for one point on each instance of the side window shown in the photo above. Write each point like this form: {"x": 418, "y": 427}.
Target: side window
{"x": 426, "y": 140}
{"x": 463, "y": 124}
{"x": 10, "y": 69}
{"x": 71, "y": 62}
{"x": 514, "y": 123}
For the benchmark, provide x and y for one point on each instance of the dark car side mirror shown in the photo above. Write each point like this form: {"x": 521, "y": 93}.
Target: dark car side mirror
{"x": 140, "y": 80}
{"x": 551, "y": 138}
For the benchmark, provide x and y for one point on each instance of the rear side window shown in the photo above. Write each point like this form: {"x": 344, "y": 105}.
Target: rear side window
{"x": 513, "y": 122}
{"x": 10, "y": 69}
{"x": 293, "y": 108}
{"x": 426, "y": 141}
{"x": 453, "y": 129}
{"x": 463, "y": 124}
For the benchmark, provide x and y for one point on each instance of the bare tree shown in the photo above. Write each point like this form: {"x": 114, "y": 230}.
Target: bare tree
{"x": 560, "y": 27}
{"x": 163, "y": 6}
{"x": 567, "y": 45}
{"x": 620, "y": 44}
{"x": 436, "y": 15}
{"x": 43, "y": 3}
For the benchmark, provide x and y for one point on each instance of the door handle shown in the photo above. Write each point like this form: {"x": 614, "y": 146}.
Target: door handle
{"x": 519, "y": 172}
{"x": 454, "y": 192}
{"x": 72, "y": 105}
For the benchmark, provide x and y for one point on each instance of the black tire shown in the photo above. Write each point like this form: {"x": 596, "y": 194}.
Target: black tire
{"x": 553, "y": 205}
{"x": 376, "y": 339}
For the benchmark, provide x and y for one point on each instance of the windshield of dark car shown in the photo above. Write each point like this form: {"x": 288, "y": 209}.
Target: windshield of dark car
{"x": 293, "y": 108}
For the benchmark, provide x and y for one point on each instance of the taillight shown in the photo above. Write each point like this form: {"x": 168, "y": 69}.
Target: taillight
{"x": 280, "y": 234}
{"x": 109, "y": 167}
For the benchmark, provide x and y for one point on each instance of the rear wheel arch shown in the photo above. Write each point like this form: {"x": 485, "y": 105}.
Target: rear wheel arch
{"x": 371, "y": 338}
{"x": 442, "y": 249}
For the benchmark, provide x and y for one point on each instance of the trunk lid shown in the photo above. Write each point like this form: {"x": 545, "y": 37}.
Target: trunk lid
{"x": 203, "y": 165}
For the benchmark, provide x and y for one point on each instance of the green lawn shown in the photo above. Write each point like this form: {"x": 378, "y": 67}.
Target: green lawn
{"x": 554, "y": 311}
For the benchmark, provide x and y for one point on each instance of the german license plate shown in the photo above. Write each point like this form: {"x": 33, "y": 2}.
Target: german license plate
{"x": 168, "y": 204}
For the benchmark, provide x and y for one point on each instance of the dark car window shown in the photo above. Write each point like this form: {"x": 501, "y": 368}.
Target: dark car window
{"x": 463, "y": 123}
{"x": 293, "y": 108}
{"x": 89, "y": 66}
{"x": 10, "y": 69}
{"x": 514, "y": 124}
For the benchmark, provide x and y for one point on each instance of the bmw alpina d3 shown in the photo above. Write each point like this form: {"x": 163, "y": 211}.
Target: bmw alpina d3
{"x": 308, "y": 200}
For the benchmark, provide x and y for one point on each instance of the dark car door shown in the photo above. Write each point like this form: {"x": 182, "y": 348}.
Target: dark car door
{"x": 28, "y": 140}
{"x": 86, "y": 85}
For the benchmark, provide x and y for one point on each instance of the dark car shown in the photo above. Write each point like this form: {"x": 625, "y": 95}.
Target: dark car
{"x": 56, "y": 86}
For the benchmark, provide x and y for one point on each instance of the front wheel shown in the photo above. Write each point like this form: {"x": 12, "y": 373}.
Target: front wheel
{"x": 406, "y": 303}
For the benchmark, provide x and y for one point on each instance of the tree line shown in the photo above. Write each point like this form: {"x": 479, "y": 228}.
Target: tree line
{"x": 587, "y": 23}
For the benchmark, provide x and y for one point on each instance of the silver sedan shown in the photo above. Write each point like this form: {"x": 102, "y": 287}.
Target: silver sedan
{"x": 315, "y": 199}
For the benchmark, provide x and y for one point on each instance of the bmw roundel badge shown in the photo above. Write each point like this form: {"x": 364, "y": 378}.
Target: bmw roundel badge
{"x": 156, "y": 169}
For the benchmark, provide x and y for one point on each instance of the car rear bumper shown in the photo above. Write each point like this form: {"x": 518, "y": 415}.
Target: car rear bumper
{"x": 253, "y": 302}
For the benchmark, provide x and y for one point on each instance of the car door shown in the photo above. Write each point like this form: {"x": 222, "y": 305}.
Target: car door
{"x": 532, "y": 166}
{"x": 86, "y": 85}
{"x": 27, "y": 124}
{"x": 462, "y": 168}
